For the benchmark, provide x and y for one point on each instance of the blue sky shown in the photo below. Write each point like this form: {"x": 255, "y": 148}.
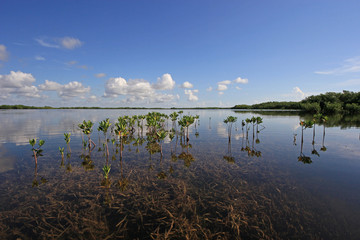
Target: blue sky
{"x": 176, "y": 53}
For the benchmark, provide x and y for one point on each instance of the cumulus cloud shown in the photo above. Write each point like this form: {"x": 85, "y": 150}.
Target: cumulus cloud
{"x": 65, "y": 42}
{"x": 350, "y": 65}
{"x": 221, "y": 93}
{"x": 50, "y": 86}
{"x": 70, "y": 43}
{"x": 3, "y": 53}
{"x": 209, "y": 89}
{"x": 18, "y": 83}
{"x": 187, "y": 85}
{"x": 16, "y": 80}
{"x": 241, "y": 80}
{"x": 100, "y": 75}
{"x": 134, "y": 87}
{"x": 226, "y": 82}
{"x": 191, "y": 94}
{"x": 73, "y": 89}
{"x": 139, "y": 89}
{"x": 238, "y": 88}
{"x": 69, "y": 90}
{"x": 221, "y": 87}
{"x": 165, "y": 82}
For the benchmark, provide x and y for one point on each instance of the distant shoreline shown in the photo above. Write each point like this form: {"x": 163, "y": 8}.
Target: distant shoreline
{"x": 329, "y": 103}
{"x": 19, "y": 107}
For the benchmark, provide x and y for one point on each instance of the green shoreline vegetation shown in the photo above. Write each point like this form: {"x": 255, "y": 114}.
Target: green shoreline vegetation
{"x": 345, "y": 102}
{"x": 329, "y": 103}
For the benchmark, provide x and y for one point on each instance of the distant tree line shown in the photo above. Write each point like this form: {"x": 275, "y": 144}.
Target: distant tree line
{"x": 345, "y": 102}
{"x": 23, "y": 107}
{"x": 47, "y": 107}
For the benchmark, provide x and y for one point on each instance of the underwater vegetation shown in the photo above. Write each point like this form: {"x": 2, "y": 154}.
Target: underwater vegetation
{"x": 149, "y": 181}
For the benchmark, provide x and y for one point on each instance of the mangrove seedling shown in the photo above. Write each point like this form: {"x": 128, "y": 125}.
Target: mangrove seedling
{"x": 161, "y": 136}
{"x": 104, "y": 126}
{"x": 304, "y": 125}
{"x": 174, "y": 117}
{"x": 106, "y": 170}
{"x": 67, "y": 140}
{"x": 36, "y": 151}
{"x": 121, "y": 131}
{"x": 185, "y": 122}
{"x": 229, "y": 122}
{"x": 86, "y": 128}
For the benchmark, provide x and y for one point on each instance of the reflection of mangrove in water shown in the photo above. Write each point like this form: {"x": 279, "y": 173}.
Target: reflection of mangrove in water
{"x": 337, "y": 120}
{"x": 311, "y": 124}
{"x": 35, "y": 182}
{"x": 250, "y": 148}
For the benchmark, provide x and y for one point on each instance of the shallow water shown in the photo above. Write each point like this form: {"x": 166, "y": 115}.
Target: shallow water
{"x": 253, "y": 187}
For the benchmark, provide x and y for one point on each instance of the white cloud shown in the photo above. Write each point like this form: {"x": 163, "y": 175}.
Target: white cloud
{"x": 65, "y": 42}
{"x": 187, "y": 85}
{"x": 16, "y": 80}
{"x": 238, "y": 88}
{"x": 165, "y": 82}
{"x": 298, "y": 92}
{"x": 46, "y": 44}
{"x": 39, "y": 58}
{"x": 3, "y": 53}
{"x": 241, "y": 80}
{"x": 221, "y": 93}
{"x": 222, "y": 87}
{"x": 191, "y": 94}
{"x": 18, "y": 83}
{"x": 70, "y": 43}
{"x": 226, "y": 82}
{"x": 72, "y": 89}
{"x": 50, "y": 86}
{"x": 296, "y": 95}
{"x": 137, "y": 90}
{"x": 209, "y": 89}
{"x": 350, "y": 65}
{"x": 115, "y": 87}
{"x": 93, "y": 98}
{"x": 100, "y": 75}
{"x": 160, "y": 98}
{"x": 28, "y": 91}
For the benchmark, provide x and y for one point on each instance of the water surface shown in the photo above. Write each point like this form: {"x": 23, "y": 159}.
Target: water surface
{"x": 253, "y": 187}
